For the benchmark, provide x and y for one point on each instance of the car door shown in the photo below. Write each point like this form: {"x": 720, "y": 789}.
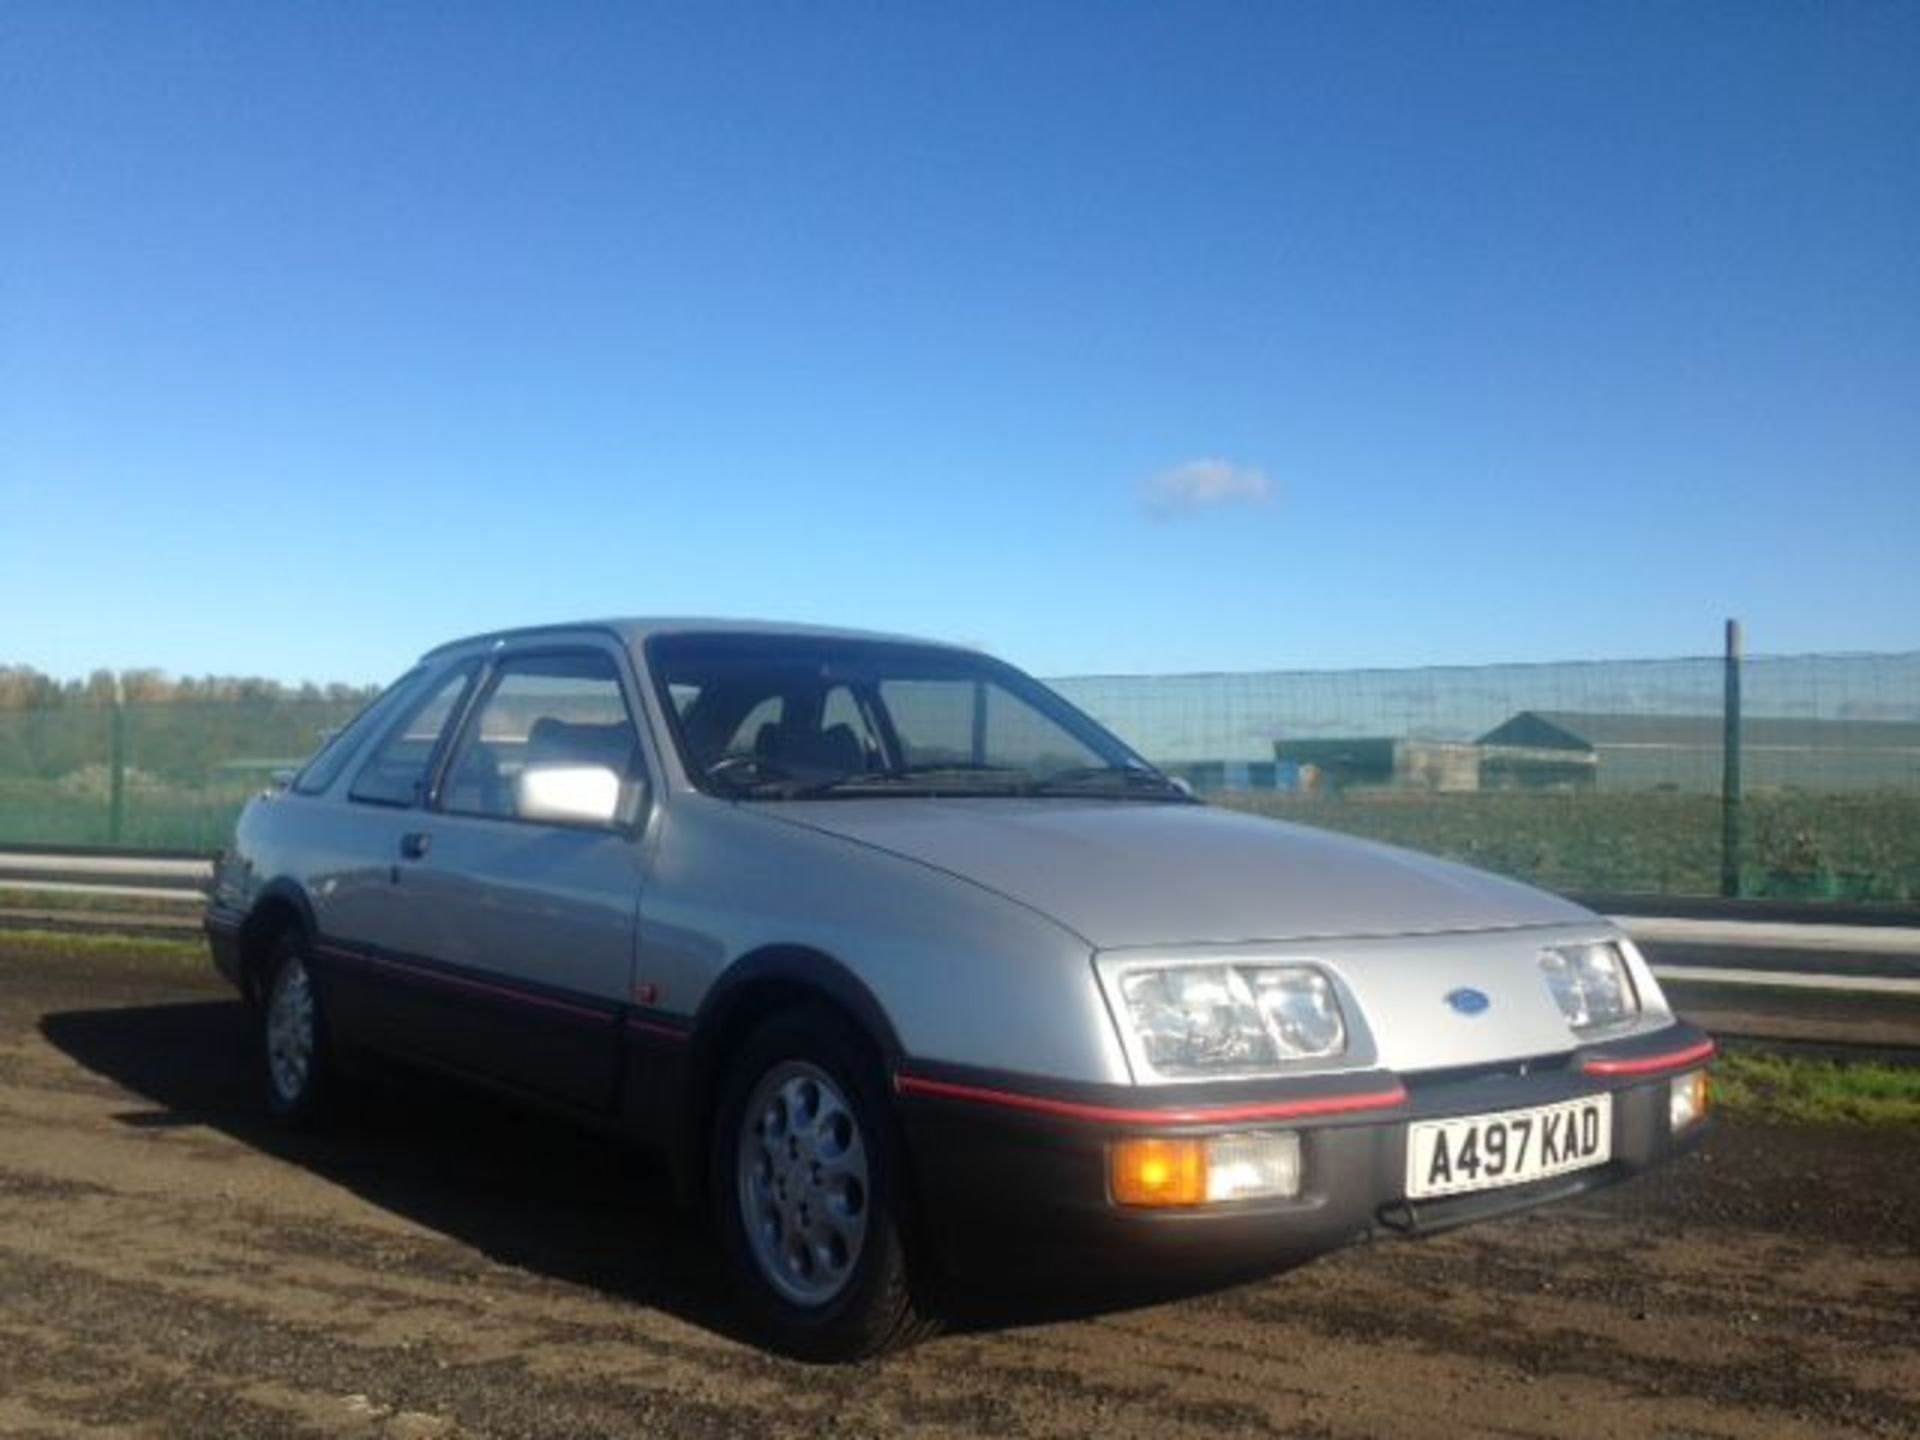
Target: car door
{"x": 369, "y": 934}
{"x": 525, "y": 886}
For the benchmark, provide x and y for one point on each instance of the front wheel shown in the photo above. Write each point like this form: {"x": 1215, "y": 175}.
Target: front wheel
{"x": 295, "y": 1043}
{"x": 808, "y": 1195}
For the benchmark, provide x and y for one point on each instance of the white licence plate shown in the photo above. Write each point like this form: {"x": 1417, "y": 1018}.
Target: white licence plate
{"x": 1481, "y": 1152}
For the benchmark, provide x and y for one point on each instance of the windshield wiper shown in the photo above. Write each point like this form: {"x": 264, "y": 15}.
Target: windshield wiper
{"x": 775, "y": 782}
{"x": 1130, "y": 782}
{"x": 756, "y": 778}
{"x": 852, "y": 782}
{"x": 965, "y": 768}
{"x": 945, "y": 779}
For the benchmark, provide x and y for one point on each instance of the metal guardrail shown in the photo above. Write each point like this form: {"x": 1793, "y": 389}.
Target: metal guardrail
{"x": 1862, "y": 960}
{"x": 168, "y": 878}
{"x": 146, "y": 894}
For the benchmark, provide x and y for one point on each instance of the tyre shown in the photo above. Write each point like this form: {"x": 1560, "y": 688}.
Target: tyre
{"x": 808, "y": 1192}
{"x": 295, "y": 1046}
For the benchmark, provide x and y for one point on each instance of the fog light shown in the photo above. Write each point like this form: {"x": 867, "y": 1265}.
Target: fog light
{"x": 1686, "y": 1100}
{"x": 1257, "y": 1165}
{"x": 1263, "y": 1165}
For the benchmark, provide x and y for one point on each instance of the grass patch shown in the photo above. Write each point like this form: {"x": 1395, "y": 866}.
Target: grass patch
{"x": 90, "y": 901}
{"x": 1765, "y": 1086}
{"x": 85, "y": 947}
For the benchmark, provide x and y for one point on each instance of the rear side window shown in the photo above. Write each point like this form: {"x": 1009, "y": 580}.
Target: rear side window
{"x": 325, "y": 767}
{"x": 555, "y": 709}
{"x": 396, "y": 773}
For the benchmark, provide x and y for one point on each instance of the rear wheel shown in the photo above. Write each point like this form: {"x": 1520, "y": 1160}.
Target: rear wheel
{"x": 808, "y": 1194}
{"x": 295, "y": 1044}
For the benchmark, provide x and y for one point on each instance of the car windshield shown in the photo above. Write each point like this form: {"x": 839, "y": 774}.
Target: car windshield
{"x": 791, "y": 717}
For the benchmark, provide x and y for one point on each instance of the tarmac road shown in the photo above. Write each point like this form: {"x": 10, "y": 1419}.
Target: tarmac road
{"x": 446, "y": 1266}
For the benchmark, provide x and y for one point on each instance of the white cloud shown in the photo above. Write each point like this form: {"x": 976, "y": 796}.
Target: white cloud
{"x": 1198, "y": 485}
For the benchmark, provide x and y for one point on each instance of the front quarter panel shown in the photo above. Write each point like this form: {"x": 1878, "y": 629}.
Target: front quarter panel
{"x": 263, "y": 854}
{"x": 962, "y": 974}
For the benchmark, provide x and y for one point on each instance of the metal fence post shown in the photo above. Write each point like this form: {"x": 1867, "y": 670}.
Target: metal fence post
{"x": 117, "y": 766}
{"x": 1730, "y": 771}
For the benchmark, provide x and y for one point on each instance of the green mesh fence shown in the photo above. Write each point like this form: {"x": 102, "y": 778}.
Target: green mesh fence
{"x": 160, "y": 776}
{"x": 1602, "y": 776}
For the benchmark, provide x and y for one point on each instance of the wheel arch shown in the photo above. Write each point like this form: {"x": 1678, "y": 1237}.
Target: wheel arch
{"x": 760, "y": 984}
{"x": 280, "y": 906}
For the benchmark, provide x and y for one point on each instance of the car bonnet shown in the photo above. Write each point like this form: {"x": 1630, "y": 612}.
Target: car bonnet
{"x": 1128, "y": 873}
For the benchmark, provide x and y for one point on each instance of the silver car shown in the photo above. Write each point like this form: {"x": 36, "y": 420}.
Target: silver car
{"x": 913, "y": 971}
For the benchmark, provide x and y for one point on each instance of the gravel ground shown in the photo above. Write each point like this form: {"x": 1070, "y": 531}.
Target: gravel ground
{"x": 450, "y": 1267}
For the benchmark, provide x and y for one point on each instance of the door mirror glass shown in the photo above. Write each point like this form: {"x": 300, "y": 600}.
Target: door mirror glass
{"x": 567, "y": 794}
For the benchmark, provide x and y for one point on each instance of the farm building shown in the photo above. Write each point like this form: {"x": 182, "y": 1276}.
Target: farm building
{"x": 1562, "y": 749}
{"x": 1384, "y": 762}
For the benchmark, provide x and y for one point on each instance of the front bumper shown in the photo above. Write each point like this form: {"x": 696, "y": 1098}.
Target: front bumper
{"x": 1013, "y": 1176}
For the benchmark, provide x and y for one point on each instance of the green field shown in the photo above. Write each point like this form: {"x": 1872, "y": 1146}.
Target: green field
{"x": 1838, "y": 847}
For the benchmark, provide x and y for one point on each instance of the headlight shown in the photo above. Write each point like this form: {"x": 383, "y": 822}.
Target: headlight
{"x": 1591, "y": 984}
{"x": 1203, "y": 1021}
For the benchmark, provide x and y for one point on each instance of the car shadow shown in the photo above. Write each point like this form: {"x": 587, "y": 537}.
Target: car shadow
{"x": 519, "y": 1187}
{"x": 515, "y": 1185}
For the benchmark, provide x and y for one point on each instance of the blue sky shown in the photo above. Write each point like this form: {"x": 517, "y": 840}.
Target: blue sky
{"x": 1111, "y": 337}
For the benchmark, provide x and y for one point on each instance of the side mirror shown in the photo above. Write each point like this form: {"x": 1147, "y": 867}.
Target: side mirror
{"x": 568, "y": 794}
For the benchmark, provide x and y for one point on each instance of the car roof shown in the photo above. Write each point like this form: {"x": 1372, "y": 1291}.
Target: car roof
{"x": 632, "y": 630}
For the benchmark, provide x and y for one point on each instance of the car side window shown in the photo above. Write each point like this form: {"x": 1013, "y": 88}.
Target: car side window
{"x": 338, "y": 749}
{"x": 563, "y": 710}
{"x": 396, "y": 772}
